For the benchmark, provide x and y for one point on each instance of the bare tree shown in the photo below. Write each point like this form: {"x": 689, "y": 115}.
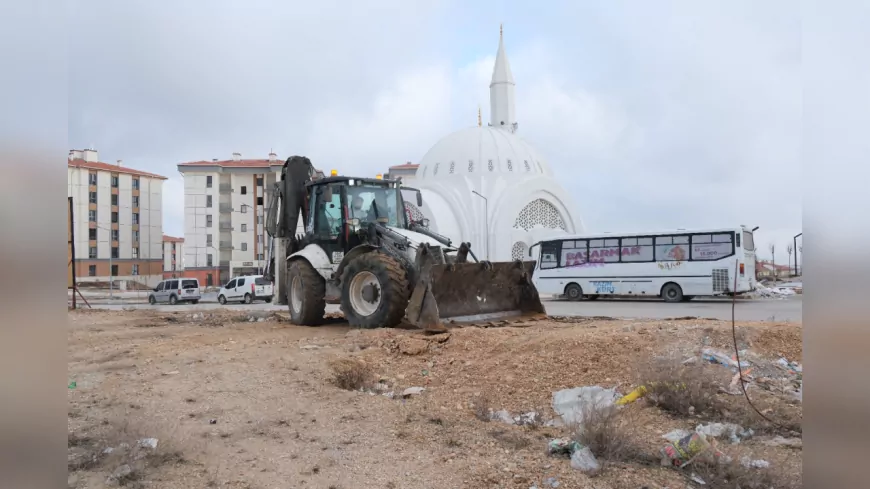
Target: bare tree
{"x": 773, "y": 259}
{"x": 789, "y": 249}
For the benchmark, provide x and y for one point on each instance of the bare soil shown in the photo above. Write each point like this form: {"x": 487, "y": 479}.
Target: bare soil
{"x": 240, "y": 402}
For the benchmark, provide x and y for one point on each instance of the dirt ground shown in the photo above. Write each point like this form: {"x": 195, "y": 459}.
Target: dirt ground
{"x": 239, "y": 401}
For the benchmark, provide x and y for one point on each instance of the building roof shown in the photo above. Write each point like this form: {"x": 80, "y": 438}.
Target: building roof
{"x": 97, "y": 165}
{"x": 405, "y": 166}
{"x": 173, "y": 239}
{"x": 260, "y": 163}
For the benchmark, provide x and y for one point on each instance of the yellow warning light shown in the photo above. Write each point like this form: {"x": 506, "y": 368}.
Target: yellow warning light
{"x": 379, "y": 176}
{"x": 334, "y": 173}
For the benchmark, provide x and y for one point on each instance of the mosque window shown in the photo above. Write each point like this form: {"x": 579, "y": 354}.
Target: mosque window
{"x": 470, "y": 166}
{"x": 510, "y": 165}
{"x": 519, "y": 251}
{"x": 490, "y": 165}
{"x": 526, "y": 162}
{"x": 452, "y": 166}
{"x": 539, "y": 213}
{"x": 435, "y": 172}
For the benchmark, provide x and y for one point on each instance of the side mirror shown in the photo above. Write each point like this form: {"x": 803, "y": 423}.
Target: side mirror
{"x": 419, "y": 198}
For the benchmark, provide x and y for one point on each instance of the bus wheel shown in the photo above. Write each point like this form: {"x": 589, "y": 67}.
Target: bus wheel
{"x": 672, "y": 293}
{"x": 573, "y": 292}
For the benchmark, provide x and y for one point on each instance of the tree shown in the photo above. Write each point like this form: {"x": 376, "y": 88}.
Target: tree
{"x": 789, "y": 249}
{"x": 773, "y": 259}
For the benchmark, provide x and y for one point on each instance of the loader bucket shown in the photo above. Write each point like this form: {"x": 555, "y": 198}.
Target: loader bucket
{"x": 465, "y": 292}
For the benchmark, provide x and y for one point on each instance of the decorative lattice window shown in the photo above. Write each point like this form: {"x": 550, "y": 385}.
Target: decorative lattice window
{"x": 452, "y": 166}
{"x": 519, "y": 251}
{"x": 490, "y": 165}
{"x": 412, "y": 212}
{"x": 539, "y": 213}
{"x": 436, "y": 169}
{"x": 510, "y": 165}
{"x": 470, "y": 166}
{"x": 526, "y": 162}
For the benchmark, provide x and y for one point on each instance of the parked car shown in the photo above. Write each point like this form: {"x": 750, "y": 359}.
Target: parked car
{"x": 176, "y": 290}
{"x": 247, "y": 289}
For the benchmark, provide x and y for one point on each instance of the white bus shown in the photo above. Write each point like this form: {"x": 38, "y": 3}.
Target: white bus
{"x": 675, "y": 265}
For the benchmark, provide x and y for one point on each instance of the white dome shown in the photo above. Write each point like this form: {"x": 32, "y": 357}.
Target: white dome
{"x": 481, "y": 151}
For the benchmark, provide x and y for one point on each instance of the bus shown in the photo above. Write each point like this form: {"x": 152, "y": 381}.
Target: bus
{"x": 674, "y": 265}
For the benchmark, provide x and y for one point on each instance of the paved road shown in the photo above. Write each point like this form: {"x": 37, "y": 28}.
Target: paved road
{"x": 789, "y": 309}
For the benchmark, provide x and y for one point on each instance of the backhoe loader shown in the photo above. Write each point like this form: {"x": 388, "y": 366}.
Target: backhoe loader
{"x": 361, "y": 249}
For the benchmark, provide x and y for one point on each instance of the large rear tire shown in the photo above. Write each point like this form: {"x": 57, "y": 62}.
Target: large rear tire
{"x": 573, "y": 292}
{"x": 374, "y": 291}
{"x": 306, "y": 294}
{"x": 672, "y": 292}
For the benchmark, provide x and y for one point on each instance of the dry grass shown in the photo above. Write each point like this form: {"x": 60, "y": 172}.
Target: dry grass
{"x": 608, "y": 433}
{"x": 734, "y": 475}
{"x": 680, "y": 389}
{"x": 352, "y": 374}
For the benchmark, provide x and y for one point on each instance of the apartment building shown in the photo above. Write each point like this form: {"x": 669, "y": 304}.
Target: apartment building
{"x": 117, "y": 219}
{"x": 225, "y": 204}
{"x": 173, "y": 257}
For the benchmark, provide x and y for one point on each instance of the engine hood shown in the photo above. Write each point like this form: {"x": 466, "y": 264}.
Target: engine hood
{"x": 416, "y": 238}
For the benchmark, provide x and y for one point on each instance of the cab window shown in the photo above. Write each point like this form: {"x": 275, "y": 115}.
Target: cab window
{"x": 160, "y": 286}
{"x": 231, "y": 284}
{"x": 327, "y": 213}
{"x": 240, "y": 282}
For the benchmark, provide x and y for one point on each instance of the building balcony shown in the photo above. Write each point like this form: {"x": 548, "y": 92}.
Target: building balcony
{"x": 224, "y": 263}
{"x": 225, "y": 207}
{"x": 225, "y": 188}
{"x": 226, "y": 245}
{"x": 226, "y": 225}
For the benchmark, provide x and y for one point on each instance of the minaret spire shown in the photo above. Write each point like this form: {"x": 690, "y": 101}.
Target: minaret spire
{"x": 501, "y": 90}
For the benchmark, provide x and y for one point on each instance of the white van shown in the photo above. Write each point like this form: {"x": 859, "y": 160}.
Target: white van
{"x": 176, "y": 290}
{"x": 247, "y": 289}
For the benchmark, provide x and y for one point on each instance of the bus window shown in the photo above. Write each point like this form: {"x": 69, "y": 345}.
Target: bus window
{"x": 573, "y": 253}
{"x": 672, "y": 248}
{"x": 707, "y": 247}
{"x": 637, "y": 249}
{"x": 549, "y": 254}
{"x": 603, "y": 250}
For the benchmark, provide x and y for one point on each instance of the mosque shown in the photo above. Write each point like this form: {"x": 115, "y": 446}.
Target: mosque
{"x": 488, "y": 186}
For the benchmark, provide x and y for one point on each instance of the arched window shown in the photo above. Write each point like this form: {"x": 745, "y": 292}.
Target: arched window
{"x": 519, "y": 251}
{"x": 541, "y": 213}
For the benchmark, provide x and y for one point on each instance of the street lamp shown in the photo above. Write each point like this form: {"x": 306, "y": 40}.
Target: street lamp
{"x": 486, "y": 220}
{"x": 796, "y": 236}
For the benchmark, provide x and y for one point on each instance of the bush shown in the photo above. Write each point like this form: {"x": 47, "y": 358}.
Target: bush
{"x": 681, "y": 389}
{"x": 352, "y": 374}
{"x": 607, "y": 432}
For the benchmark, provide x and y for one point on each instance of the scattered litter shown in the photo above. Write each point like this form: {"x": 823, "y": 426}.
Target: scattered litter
{"x": 694, "y": 477}
{"x": 310, "y": 347}
{"x": 570, "y": 404}
{"x": 108, "y": 450}
{"x": 584, "y": 461}
{"x": 562, "y": 446}
{"x": 412, "y": 391}
{"x": 212, "y": 421}
{"x": 552, "y": 482}
{"x": 174, "y": 372}
{"x": 147, "y": 443}
{"x": 762, "y": 291}
{"x": 686, "y": 450}
{"x": 734, "y": 432}
{"x": 119, "y": 473}
{"x": 632, "y": 396}
{"x": 72, "y": 385}
{"x": 754, "y": 464}
{"x": 716, "y": 356}
{"x": 676, "y": 435}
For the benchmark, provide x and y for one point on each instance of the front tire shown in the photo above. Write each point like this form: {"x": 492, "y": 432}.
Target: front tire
{"x": 375, "y": 291}
{"x": 672, "y": 293}
{"x": 152, "y": 300}
{"x": 573, "y": 292}
{"x": 222, "y": 299}
{"x": 306, "y": 294}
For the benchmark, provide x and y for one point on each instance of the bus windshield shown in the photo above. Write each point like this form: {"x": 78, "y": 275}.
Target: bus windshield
{"x": 373, "y": 203}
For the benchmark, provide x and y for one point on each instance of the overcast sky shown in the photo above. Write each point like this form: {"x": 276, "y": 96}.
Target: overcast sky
{"x": 652, "y": 114}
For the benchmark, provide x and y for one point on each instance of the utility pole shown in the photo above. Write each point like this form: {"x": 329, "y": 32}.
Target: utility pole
{"x": 796, "y": 249}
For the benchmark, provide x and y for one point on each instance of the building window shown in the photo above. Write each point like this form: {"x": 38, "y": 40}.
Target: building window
{"x": 135, "y": 218}
{"x": 259, "y": 181}
{"x": 92, "y": 197}
{"x": 208, "y": 261}
{"x": 135, "y": 201}
{"x": 208, "y": 239}
{"x": 135, "y": 236}
{"x": 173, "y": 267}
{"x": 244, "y": 208}
{"x": 114, "y": 181}
{"x": 208, "y": 181}
{"x": 244, "y": 190}
{"x": 208, "y": 280}
{"x": 208, "y": 200}
{"x": 114, "y": 217}
{"x": 244, "y": 228}
{"x": 259, "y": 201}
{"x": 135, "y": 252}
{"x": 92, "y": 234}
{"x": 114, "y": 252}
{"x": 92, "y": 252}
{"x": 244, "y": 246}
{"x": 259, "y": 256}
{"x": 135, "y": 270}
{"x": 135, "y": 187}
{"x": 207, "y": 221}
{"x": 92, "y": 178}
{"x": 114, "y": 199}
{"x": 92, "y": 270}
{"x": 114, "y": 269}
{"x": 92, "y": 216}
{"x": 115, "y": 235}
